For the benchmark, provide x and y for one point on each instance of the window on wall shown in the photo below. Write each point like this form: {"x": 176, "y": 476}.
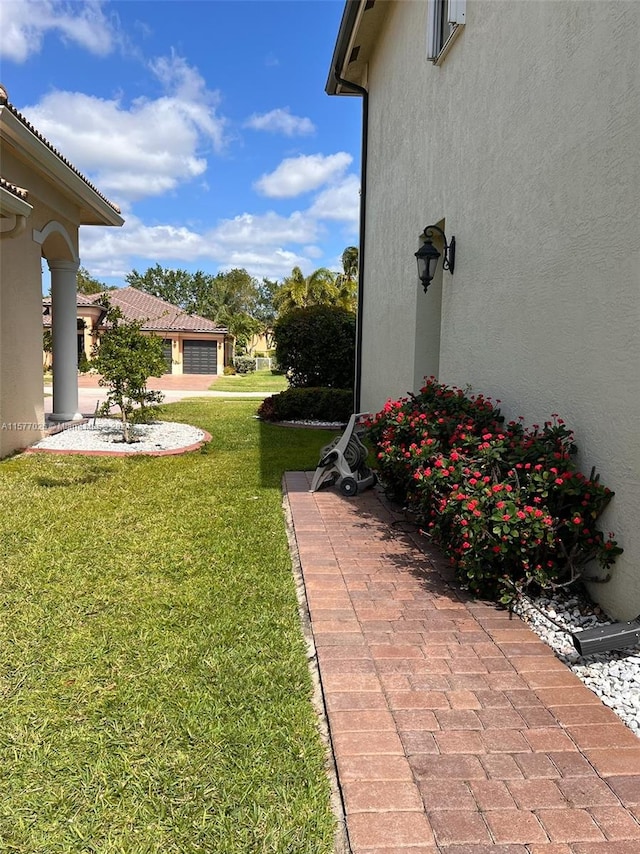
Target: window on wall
{"x": 445, "y": 19}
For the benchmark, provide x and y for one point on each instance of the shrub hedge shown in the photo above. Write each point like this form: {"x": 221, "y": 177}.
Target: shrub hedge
{"x": 244, "y": 364}
{"x": 308, "y": 404}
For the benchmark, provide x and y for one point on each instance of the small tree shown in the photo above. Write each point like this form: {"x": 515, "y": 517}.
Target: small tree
{"x": 126, "y": 359}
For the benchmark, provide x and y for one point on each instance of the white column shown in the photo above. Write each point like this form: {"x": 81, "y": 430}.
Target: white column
{"x": 64, "y": 327}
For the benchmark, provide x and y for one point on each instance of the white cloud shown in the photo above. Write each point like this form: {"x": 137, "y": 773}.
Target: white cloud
{"x": 298, "y": 175}
{"x": 268, "y": 244}
{"x": 258, "y": 243}
{"x": 274, "y": 264}
{"x": 145, "y": 149}
{"x": 340, "y": 202}
{"x": 281, "y": 121}
{"x": 24, "y": 24}
{"x": 266, "y": 229}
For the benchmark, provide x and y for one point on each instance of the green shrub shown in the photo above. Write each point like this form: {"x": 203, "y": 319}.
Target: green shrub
{"x": 315, "y": 346}
{"x": 84, "y": 364}
{"x": 244, "y": 364}
{"x": 507, "y": 504}
{"x": 229, "y": 371}
{"x": 308, "y": 404}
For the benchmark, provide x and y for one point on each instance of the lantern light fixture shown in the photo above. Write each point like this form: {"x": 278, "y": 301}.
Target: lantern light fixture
{"x": 427, "y": 256}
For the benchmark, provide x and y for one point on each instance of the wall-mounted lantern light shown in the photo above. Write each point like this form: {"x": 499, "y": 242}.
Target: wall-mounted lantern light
{"x": 428, "y": 255}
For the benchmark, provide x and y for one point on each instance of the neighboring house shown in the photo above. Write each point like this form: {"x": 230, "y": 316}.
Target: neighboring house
{"x": 43, "y": 202}
{"x": 261, "y": 343}
{"x": 192, "y": 344}
{"x": 515, "y": 127}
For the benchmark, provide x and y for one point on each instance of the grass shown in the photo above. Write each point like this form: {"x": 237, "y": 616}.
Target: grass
{"x": 257, "y": 381}
{"x": 154, "y": 689}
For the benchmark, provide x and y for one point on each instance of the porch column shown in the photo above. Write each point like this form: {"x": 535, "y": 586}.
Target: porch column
{"x": 64, "y": 327}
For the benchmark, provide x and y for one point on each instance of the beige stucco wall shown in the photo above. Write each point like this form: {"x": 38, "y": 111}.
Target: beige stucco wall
{"x": 21, "y": 398}
{"x": 21, "y": 261}
{"x": 525, "y": 143}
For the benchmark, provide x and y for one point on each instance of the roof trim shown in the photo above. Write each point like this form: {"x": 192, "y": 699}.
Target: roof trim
{"x": 96, "y": 208}
{"x": 351, "y": 15}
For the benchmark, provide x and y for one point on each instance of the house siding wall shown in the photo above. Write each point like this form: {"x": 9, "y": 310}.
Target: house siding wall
{"x": 525, "y": 143}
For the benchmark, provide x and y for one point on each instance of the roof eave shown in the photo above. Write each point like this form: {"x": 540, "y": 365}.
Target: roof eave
{"x": 350, "y": 16}
{"x": 94, "y": 210}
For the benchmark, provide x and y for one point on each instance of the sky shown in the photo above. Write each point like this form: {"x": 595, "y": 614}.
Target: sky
{"x": 205, "y": 121}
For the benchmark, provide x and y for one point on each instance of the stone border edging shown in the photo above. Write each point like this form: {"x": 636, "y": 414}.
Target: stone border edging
{"x": 163, "y": 453}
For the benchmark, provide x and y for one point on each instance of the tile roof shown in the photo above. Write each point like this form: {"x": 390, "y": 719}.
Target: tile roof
{"x": 11, "y": 188}
{"x": 81, "y": 299}
{"x": 4, "y": 102}
{"x": 156, "y": 314}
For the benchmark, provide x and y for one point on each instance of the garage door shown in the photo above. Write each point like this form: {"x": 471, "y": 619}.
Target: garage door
{"x": 200, "y": 357}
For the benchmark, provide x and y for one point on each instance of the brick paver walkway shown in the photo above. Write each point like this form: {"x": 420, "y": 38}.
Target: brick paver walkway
{"x": 182, "y": 382}
{"x": 454, "y": 728}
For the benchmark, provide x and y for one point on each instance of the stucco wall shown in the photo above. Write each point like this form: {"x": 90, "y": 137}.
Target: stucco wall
{"x": 21, "y": 260}
{"x": 21, "y": 399}
{"x": 525, "y": 142}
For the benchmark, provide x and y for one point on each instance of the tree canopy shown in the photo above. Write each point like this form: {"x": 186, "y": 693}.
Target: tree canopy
{"x": 243, "y": 304}
{"x": 322, "y": 287}
{"x": 87, "y": 284}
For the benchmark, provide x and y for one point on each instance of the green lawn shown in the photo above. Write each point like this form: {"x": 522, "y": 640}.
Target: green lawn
{"x": 257, "y": 381}
{"x": 154, "y": 690}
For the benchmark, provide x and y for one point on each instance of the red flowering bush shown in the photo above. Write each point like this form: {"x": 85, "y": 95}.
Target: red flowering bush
{"x": 506, "y": 503}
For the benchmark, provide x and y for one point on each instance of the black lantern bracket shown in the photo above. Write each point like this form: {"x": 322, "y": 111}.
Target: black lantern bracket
{"x": 427, "y": 256}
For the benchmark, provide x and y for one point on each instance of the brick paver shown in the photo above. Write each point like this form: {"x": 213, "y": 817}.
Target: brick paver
{"x": 455, "y": 730}
{"x": 186, "y": 382}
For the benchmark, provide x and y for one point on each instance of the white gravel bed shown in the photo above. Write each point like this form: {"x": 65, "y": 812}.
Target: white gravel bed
{"x": 614, "y": 676}
{"x": 105, "y": 434}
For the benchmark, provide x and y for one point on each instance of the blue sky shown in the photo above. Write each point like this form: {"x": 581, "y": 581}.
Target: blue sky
{"x": 205, "y": 121}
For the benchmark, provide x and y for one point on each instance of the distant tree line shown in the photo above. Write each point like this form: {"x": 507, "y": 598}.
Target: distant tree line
{"x": 246, "y": 306}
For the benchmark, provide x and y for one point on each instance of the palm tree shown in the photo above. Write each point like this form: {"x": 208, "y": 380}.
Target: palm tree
{"x": 347, "y": 281}
{"x": 298, "y": 291}
{"x": 350, "y": 262}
